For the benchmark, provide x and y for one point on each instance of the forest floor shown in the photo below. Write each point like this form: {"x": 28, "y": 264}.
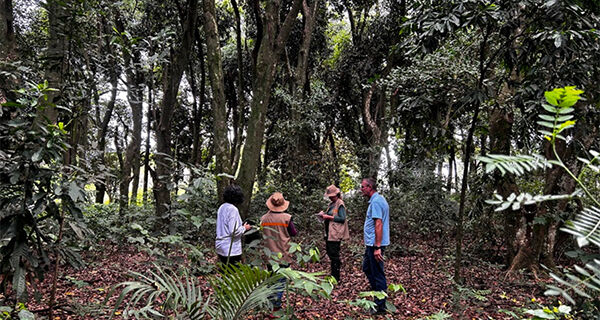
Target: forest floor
{"x": 422, "y": 269}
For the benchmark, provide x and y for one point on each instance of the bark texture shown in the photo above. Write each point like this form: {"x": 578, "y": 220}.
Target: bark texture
{"x": 172, "y": 74}
{"x": 271, "y": 46}
{"x": 215, "y": 70}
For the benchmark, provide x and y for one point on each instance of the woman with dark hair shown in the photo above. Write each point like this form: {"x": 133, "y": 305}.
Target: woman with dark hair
{"x": 230, "y": 227}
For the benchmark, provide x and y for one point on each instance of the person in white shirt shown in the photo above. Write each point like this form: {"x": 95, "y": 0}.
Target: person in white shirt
{"x": 230, "y": 227}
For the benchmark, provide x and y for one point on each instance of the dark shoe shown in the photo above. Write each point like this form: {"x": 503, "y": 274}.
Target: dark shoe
{"x": 372, "y": 312}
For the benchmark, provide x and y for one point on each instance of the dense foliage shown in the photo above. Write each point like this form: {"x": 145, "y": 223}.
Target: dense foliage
{"x": 122, "y": 122}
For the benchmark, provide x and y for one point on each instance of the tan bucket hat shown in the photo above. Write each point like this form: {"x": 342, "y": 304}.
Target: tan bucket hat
{"x": 277, "y": 203}
{"x": 331, "y": 191}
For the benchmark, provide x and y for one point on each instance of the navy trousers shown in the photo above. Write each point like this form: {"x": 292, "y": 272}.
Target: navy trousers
{"x": 373, "y": 269}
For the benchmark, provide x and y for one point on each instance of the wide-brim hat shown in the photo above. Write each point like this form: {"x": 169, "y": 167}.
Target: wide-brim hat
{"x": 277, "y": 203}
{"x": 331, "y": 191}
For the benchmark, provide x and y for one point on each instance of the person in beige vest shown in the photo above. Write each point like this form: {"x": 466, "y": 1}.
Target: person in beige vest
{"x": 336, "y": 228}
{"x": 278, "y": 228}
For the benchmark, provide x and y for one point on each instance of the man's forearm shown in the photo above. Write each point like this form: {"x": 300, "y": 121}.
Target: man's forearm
{"x": 378, "y": 232}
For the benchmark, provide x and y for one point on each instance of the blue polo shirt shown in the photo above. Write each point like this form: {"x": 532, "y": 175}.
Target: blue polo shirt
{"x": 378, "y": 209}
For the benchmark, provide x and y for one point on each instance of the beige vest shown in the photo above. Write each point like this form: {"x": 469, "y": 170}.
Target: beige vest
{"x": 338, "y": 231}
{"x": 275, "y": 235}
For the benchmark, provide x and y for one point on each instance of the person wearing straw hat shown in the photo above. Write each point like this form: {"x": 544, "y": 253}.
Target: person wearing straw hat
{"x": 336, "y": 228}
{"x": 278, "y": 228}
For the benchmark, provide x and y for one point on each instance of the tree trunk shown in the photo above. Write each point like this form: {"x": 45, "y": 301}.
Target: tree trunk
{"x": 172, "y": 75}
{"x": 197, "y": 112}
{"x": 102, "y": 132}
{"x": 7, "y": 48}
{"x": 239, "y": 111}
{"x": 463, "y": 193}
{"x": 270, "y": 48}
{"x": 215, "y": 71}
{"x": 55, "y": 54}
{"x": 135, "y": 94}
{"x": 149, "y": 119}
{"x": 501, "y": 121}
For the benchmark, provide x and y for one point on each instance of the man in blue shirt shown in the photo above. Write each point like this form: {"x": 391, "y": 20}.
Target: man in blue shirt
{"x": 377, "y": 237}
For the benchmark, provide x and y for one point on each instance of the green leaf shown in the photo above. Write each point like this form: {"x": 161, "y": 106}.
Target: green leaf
{"x": 564, "y": 118}
{"x": 552, "y": 97}
{"x": 547, "y": 117}
{"x": 550, "y": 108}
{"x": 566, "y": 110}
{"x": 546, "y": 124}
{"x": 26, "y": 315}
{"x": 11, "y": 104}
{"x": 37, "y": 156}
{"x": 541, "y": 314}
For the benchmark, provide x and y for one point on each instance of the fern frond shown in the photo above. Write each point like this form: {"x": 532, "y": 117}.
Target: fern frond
{"x": 585, "y": 227}
{"x": 242, "y": 289}
{"x": 179, "y": 296}
{"x": 516, "y": 165}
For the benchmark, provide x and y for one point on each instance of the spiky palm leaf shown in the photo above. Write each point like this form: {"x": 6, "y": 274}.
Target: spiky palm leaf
{"x": 517, "y": 165}
{"x": 585, "y": 227}
{"x": 183, "y": 297}
{"x": 242, "y": 289}
{"x": 515, "y": 202}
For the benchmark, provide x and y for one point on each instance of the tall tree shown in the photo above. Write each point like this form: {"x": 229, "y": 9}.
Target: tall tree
{"x": 171, "y": 78}
{"x": 220, "y": 141}
{"x": 135, "y": 92}
{"x": 271, "y": 46}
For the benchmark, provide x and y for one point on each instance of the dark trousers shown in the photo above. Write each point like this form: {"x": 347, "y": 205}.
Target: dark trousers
{"x": 333, "y": 251}
{"x": 279, "y": 286}
{"x": 373, "y": 269}
{"x": 230, "y": 260}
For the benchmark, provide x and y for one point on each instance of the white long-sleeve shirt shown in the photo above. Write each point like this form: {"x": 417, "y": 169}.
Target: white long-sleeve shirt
{"x": 229, "y": 227}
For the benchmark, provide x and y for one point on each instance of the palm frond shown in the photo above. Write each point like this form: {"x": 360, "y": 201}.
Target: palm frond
{"x": 242, "y": 289}
{"x": 586, "y": 280}
{"x": 516, "y": 165}
{"x": 585, "y": 227}
{"x": 180, "y": 296}
{"x": 515, "y": 202}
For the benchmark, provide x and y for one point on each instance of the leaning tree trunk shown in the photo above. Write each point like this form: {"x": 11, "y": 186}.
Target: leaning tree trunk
{"x": 271, "y": 47}
{"x": 215, "y": 71}
{"x": 172, "y": 74}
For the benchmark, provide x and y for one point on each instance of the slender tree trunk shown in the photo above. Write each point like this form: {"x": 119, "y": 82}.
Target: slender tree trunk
{"x": 135, "y": 93}
{"x": 239, "y": 112}
{"x": 102, "y": 132}
{"x": 149, "y": 119}
{"x": 463, "y": 193}
{"x": 270, "y": 48}
{"x": 171, "y": 78}
{"x": 197, "y": 143}
{"x": 215, "y": 71}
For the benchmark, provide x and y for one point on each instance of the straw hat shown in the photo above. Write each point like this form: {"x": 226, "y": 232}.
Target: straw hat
{"x": 277, "y": 203}
{"x": 331, "y": 191}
